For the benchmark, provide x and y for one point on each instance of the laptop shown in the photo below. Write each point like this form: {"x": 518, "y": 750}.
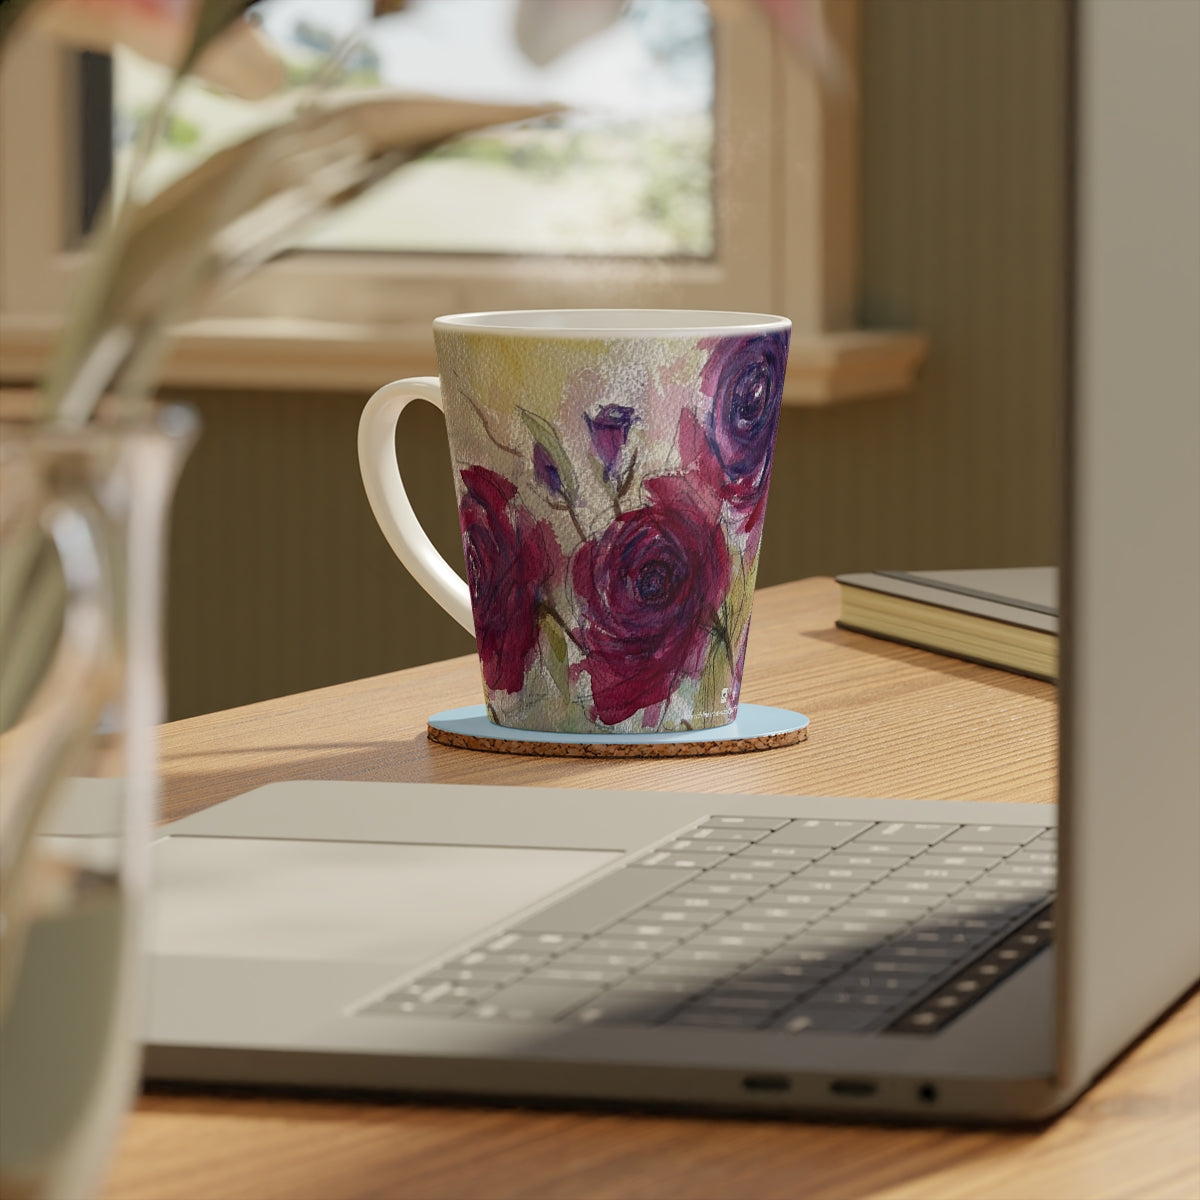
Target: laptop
{"x": 875, "y": 957}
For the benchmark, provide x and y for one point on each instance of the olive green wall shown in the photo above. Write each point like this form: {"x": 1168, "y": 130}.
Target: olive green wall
{"x": 281, "y": 581}
{"x": 963, "y": 173}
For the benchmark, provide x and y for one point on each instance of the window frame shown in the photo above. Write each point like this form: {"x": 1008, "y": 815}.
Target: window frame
{"x": 786, "y": 235}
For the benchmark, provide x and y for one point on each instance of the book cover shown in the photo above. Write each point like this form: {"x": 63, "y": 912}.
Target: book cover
{"x": 1006, "y": 617}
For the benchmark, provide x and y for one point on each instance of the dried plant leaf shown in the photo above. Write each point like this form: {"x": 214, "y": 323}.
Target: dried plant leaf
{"x": 237, "y": 209}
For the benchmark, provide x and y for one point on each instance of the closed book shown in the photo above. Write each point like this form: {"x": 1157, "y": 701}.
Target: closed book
{"x": 1005, "y": 618}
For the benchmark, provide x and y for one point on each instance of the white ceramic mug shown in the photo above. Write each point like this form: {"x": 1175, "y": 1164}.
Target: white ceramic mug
{"x": 611, "y": 468}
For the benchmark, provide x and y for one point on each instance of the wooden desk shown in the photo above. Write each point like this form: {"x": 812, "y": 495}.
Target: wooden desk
{"x": 886, "y": 721}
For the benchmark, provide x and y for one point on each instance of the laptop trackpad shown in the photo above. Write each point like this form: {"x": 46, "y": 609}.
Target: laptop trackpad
{"x": 361, "y": 902}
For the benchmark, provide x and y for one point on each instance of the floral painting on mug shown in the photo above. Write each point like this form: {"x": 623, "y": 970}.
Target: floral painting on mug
{"x": 611, "y": 498}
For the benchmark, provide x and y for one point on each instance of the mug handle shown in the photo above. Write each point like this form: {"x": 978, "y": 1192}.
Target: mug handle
{"x": 390, "y": 503}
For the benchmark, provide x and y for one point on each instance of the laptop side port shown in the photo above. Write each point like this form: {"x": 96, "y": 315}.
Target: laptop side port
{"x": 766, "y": 1083}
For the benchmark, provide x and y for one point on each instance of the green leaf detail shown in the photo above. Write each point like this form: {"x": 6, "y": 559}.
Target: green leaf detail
{"x": 717, "y": 675}
{"x": 547, "y": 437}
{"x": 556, "y": 659}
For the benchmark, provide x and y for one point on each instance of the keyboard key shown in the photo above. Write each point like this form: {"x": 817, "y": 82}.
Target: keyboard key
{"x": 813, "y": 945}
{"x": 843, "y": 858}
{"x": 617, "y": 943}
{"x": 605, "y": 901}
{"x": 802, "y": 883}
{"x": 884, "y": 984}
{"x": 1048, "y": 858}
{"x": 865, "y": 929}
{"x": 980, "y": 861}
{"x": 698, "y": 974}
{"x": 877, "y": 912}
{"x": 985, "y": 849}
{"x": 595, "y": 958}
{"x": 765, "y": 877}
{"x": 747, "y": 822}
{"x": 953, "y": 931}
{"x": 926, "y": 887}
{"x": 910, "y": 968}
{"x": 681, "y": 900}
{"x": 439, "y": 1009}
{"x": 695, "y": 845}
{"x": 902, "y": 950}
{"x": 548, "y": 943}
{"x": 430, "y": 991}
{"x": 766, "y": 985}
{"x": 1005, "y": 878}
{"x": 917, "y": 902}
{"x": 504, "y": 959}
{"x": 911, "y": 833}
{"x": 599, "y": 976}
{"x": 867, "y": 845}
{"x": 826, "y": 1020}
{"x": 782, "y": 857}
{"x": 816, "y": 833}
{"x": 800, "y": 903}
{"x": 957, "y": 937}
{"x": 724, "y": 833}
{"x": 1010, "y": 834}
{"x": 706, "y": 955}
{"x": 997, "y": 912}
{"x": 757, "y": 943}
{"x": 713, "y": 1018}
{"x": 885, "y": 1001}
{"x": 681, "y": 987}
{"x": 530, "y": 1002}
{"x": 772, "y": 930}
{"x": 961, "y": 874}
{"x": 823, "y": 870}
{"x": 706, "y": 887}
{"x": 783, "y": 973}
{"x": 494, "y": 976}
{"x": 694, "y": 861}
{"x": 622, "y": 1007}
{"x": 678, "y": 918}
{"x": 651, "y": 930}
{"x": 872, "y": 931}
{"x": 731, "y": 1000}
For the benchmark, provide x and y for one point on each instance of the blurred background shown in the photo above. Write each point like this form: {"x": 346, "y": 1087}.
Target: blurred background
{"x": 280, "y": 579}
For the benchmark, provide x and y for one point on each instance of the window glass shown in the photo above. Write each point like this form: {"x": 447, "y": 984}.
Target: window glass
{"x": 626, "y": 171}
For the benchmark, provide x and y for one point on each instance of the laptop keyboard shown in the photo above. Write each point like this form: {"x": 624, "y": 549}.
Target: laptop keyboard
{"x": 746, "y": 922}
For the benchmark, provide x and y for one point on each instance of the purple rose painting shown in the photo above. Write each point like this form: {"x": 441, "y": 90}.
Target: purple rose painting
{"x": 649, "y": 589}
{"x": 510, "y": 559}
{"x": 609, "y": 430}
{"x": 611, "y": 496}
{"x": 744, "y": 380}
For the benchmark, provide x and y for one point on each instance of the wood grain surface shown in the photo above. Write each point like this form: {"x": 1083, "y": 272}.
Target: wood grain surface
{"x": 887, "y": 721}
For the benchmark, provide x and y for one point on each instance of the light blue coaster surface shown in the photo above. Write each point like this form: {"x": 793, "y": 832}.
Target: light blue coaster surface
{"x": 753, "y": 721}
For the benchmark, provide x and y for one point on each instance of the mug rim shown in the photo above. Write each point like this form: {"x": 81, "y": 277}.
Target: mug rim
{"x": 614, "y": 322}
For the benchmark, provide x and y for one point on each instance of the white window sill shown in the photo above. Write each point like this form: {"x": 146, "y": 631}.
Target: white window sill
{"x": 280, "y": 354}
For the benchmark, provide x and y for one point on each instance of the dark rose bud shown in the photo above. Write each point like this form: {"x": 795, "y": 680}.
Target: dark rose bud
{"x": 610, "y": 431}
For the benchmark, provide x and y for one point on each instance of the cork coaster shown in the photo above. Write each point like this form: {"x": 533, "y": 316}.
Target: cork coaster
{"x": 757, "y": 728}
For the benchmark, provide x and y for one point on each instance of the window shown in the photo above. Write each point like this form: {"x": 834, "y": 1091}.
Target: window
{"x": 768, "y": 222}
{"x": 625, "y": 170}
